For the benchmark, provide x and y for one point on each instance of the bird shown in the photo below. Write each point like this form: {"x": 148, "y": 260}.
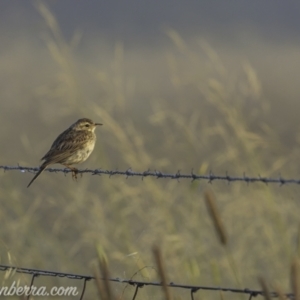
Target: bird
{"x": 73, "y": 146}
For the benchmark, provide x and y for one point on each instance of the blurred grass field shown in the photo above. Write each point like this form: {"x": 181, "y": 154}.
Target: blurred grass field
{"x": 180, "y": 108}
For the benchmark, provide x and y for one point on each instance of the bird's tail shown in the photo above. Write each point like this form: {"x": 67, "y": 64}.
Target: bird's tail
{"x": 42, "y": 168}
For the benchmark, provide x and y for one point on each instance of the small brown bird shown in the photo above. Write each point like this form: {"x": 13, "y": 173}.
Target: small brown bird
{"x": 71, "y": 147}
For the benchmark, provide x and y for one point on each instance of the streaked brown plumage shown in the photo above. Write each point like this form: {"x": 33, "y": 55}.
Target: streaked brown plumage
{"x": 71, "y": 147}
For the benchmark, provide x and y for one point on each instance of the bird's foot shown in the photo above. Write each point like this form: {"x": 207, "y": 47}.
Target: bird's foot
{"x": 74, "y": 174}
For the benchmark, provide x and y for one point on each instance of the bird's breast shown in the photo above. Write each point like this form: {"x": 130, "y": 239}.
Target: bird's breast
{"x": 82, "y": 153}
{"x": 90, "y": 147}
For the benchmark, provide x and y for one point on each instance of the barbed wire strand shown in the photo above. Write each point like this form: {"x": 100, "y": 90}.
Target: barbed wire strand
{"x": 138, "y": 284}
{"x": 158, "y": 174}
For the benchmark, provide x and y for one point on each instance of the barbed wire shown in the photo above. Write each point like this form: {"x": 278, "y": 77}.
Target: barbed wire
{"x": 158, "y": 174}
{"x": 138, "y": 284}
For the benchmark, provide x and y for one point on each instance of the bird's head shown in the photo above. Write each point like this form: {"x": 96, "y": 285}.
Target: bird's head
{"x": 85, "y": 124}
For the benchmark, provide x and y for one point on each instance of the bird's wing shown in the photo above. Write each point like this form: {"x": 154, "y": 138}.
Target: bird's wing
{"x": 65, "y": 145}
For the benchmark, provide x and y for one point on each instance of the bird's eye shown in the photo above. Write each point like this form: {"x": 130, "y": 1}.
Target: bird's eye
{"x": 87, "y": 125}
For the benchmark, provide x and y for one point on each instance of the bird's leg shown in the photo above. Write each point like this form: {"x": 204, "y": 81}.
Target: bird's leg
{"x": 74, "y": 171}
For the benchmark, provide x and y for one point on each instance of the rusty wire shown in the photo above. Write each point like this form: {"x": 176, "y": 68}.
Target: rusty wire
{"x": 138, "y": 284}
{"x": 158, "y": 174}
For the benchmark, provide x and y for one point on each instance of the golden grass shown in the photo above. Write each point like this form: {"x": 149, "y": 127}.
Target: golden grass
{"x": 295, "y": 279}
{"x": 202, "y": 115}
{"x": 215, "y": 216}
{"x": 162, "y": 272}
{"x": 265, "y": 289}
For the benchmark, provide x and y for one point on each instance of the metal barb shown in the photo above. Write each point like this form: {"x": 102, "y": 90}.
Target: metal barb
{"x": 211, "y": 177}
{"x": 194, "y": 177}
{"x": 96, "y": 172}
{"x": 247, "y": 179}
{"x": 128, "y": 173}
{"x": 177, "y": 176}
{"x": 111, "y": 173}
{"x": 282, "y": 181}
{"x": 228, "y": 178}
{"x": 145, "y": 173}
{"x": 158, "y": 174}
{"x": 263, "y": 179}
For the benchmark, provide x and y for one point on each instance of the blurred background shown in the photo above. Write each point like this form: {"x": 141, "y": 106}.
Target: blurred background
{"x": 202, "y": 85}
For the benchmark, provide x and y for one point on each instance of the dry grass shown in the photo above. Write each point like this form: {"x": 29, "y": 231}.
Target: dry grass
{"x": 199, "y": 114}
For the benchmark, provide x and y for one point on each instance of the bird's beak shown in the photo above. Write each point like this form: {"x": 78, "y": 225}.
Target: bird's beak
{"x": 98, "y": 124}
